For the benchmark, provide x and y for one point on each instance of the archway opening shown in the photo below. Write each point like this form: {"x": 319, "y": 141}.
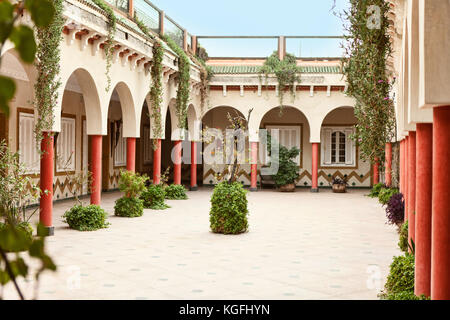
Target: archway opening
{"x": 144, "y": 145}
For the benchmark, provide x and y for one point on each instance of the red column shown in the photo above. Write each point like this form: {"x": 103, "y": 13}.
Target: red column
{"x": 177, "y": 163}
{"x": 96, "y": 169}
{"x": 315, "y": 168}
{"x": 131, "y": 154}
{"x": 405, "y": 195}
{"x": 424, "y": 159}
{"x": 254, "y": 166}
{"x": 440, "y": 252}
{"x": 411, "y": 186}
{"x": 388, "y": 165}
{"x": 376, "y": 172}
{"x": 46, "y": 185}
{"x": 194, "y": 186}
{"x": 402, "y": 165}
{"x": 157, "y": 163}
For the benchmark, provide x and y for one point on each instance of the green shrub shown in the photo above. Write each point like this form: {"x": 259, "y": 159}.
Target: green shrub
{"x": 403, "y": 241}
{"x": 386, "y": 194}
{"x": 25, "y": 235}
{"x": 229, "y": 209}
{"x": 376, "y": 190}
{"x": 401, "y": 275}
{"x": 132, "y": 184}
{"x": 129, "y": 207}
{"x": 175, "y": 192}
{"x": 404, "y": 295}
{"x": 88, "y": 218}
{"x": 154, "y": 197}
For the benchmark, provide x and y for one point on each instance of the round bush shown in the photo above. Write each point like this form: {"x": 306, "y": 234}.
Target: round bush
{"x": 175, "y": 192}
{"x": 88, "y": 218}
{"x": 16, "y": 238}
{"x": 154, "y": 197}
{"x": 400, "y": 281}
{"x": 376, "y": 190}
{"x": 129, "y": 207}
{"x": 229, "y": 209}
{"x": 386, "y": 194}
{"x": 403, "y": 241}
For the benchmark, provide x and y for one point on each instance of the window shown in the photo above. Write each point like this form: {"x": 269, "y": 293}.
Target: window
{"x": 289, "y": 137}
{"x": 338, "y": 149}
{"x": 65, "y": 146}
{"x": 120, "y": 150}
{"x": 29, "y": 156}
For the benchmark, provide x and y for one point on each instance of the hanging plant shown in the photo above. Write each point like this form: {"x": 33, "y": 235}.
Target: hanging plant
{"x": 206, "y": 73}
{"x": 367, "y": 48}
{"x": 286, "y": 71}
{"x": 109, "y": 44}
{"x": 184, "y": 67}
{"x": 156, "y": 90}
{"x": 48, "y": 69}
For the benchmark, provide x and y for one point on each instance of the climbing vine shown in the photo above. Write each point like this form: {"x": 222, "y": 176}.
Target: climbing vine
{"x": 184, "y": 67}
{"x": 206, "y": 73}
{"x": 48, "y": 69}
{"x": 109, "y": 44}
{"x": 367, "y": 48}
{"x": 156, "y": 89}
{"x": 286, "y": 71}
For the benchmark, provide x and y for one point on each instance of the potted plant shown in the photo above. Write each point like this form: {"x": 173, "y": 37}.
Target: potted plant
{"x": 287, "y": 169}
{"x": 339, "y": 185}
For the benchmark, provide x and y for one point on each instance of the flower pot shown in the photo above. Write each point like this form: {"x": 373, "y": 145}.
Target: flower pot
{"x": 339, "y": 188}
{"x": 288, "y": 188}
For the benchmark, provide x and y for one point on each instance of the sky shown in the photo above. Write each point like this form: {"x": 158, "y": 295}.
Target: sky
{"x": 259, "y": 18}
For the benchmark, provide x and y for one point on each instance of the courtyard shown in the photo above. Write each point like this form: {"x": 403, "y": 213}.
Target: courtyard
{"x": 299, "y": 246}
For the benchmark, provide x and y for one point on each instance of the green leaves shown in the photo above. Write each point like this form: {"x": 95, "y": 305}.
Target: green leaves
{"x": 6, "y": 18}
{"x": 7, "y": 91}
{"x": 154, "y": 197}
{"x": 88, "y": 218}
{"x": 175, "y": 192}
{"x": 42, "y": 11}
{"x": 23, "y": 39}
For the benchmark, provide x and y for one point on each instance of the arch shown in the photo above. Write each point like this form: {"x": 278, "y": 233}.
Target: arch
{"x": 193, "y": 123}
{"x": 92, "y": 106}
{"x": 339, "y": 121}
{"x": 130, "y": 116}
{"x": 207, "y": 114}
{"x": 257, "y": 117}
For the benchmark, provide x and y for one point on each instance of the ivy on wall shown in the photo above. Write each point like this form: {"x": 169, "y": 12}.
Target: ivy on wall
{"x": 206, "y": 73}
{"x": 184, "y": 67}
{"x": 109, "y": 44}
{"x": 48, "y": 69}
{"x": 286, "y": 71}
{"x": 367, "y": 48}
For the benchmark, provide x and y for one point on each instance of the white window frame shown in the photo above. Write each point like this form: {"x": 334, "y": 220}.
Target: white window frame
{"x": 66, "y": 145}
{"x": 350, "y": 147}
{"x": 282, "y": 130}
{"x": 28, "y": 154}
{"x": 120, "y": 151}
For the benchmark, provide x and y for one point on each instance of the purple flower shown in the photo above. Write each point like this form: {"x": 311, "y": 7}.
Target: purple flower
{"x": 387, "y": 98}
{"x": 380, "y": 81}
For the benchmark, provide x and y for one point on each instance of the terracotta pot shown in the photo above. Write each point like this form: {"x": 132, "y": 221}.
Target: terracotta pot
{"x": 339, "y": 188}
{"x": 288, "y": 188}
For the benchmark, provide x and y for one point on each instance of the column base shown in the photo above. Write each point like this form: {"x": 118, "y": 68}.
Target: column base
{"x": 45, "y": 231}
{"x": 253, "y": 189}
{"x": 315, "y": 190}
{"x": 194, "y": 188}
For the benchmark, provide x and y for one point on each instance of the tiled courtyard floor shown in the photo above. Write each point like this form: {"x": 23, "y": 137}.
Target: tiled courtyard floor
{"x": 300, "y": 246}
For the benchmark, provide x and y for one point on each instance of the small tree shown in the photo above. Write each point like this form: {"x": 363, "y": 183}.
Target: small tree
{"x": 133, "y": 185}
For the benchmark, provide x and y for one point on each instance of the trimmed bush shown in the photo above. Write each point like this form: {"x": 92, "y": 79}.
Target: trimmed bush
{"x": 376, "y": 190}
{"x": 403, "y": 241}
{"x": 405, "y": 295}
{"x": 154, "y": 197}
{"x": 395, "y": 210}
{"x": 88, "y": 218}
{"x": 129, "y": 207}
{"x": 229, "y": 209}
{"x": 386, "y": 194}
{"x": 22, "y": 239}
{"x": 175, "y": 192}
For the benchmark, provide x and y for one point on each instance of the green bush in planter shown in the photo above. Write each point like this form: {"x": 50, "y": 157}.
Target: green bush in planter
{"x": 386, "y": 194}
{"x": 154, "y": 198}
{"x": 175, "y": 192}
{"x": 229, "y": 209}
{"x": 132, "y": 184}
{"x": 88, "y": 218}
{"x": 129, "y": 207}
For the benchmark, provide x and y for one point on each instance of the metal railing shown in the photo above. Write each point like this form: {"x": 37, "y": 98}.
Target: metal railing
{"x": 148, "y": 14}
